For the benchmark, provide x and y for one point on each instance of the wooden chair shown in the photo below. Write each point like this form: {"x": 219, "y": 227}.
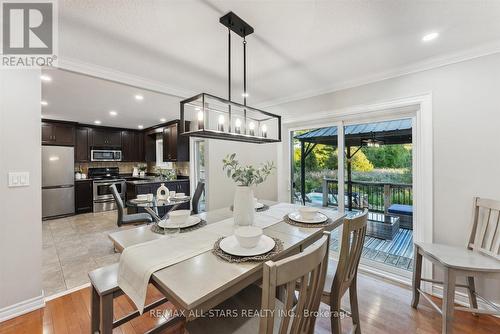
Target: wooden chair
{"x": 124, "y": 218}
{"x": 343, "y": 276}
{"x": 200, "y": 188}
{"x": 307, "y": 268}
{"x": 481, "y": 258}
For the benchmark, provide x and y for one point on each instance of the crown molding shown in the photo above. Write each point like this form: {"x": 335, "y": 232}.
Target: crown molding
{"x": 106, "y": 73}
{"x": 425, "y": 65}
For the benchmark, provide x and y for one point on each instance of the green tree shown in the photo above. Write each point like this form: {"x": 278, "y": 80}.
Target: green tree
{"x": 359, "y": 162}
{"x": 389, "y": 156}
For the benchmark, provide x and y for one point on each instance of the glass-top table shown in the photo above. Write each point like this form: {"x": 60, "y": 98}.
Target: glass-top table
{"x": 152, "y": 206}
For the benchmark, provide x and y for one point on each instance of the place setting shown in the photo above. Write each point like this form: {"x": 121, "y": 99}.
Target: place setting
{"x": 248, "y": 243}
{"x": 178, "y": 221}
{"x": 307, "y": 217}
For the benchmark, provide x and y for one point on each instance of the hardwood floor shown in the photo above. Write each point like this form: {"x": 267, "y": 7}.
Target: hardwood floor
{"x": 384, "y": 308}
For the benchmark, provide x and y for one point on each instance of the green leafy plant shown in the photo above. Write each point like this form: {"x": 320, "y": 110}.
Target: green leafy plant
{"x": 142, "y": 167}
{"x": 166, "y": 173}
{"x": 246, "y": 175}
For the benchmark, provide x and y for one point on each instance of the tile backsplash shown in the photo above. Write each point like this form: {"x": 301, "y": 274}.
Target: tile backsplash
{"x": 182, "y": 168}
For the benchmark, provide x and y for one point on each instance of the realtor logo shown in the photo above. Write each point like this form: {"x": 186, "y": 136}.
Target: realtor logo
{"x": 28, "y": 33}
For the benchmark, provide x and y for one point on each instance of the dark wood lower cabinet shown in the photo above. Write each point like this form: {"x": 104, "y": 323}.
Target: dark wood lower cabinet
{"x": 179, "y": 186}
{"x": 83, "y": 196}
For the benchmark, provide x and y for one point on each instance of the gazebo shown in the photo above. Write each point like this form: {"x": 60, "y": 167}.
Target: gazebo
{"x": 369, "y": 134}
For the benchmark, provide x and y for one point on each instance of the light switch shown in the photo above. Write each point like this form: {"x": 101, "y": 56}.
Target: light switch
{"x": 19, "y": 179}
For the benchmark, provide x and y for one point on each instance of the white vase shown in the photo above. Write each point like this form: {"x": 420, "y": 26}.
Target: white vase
{"x": 243, "y": 207}
{"x": 162, "y": 193}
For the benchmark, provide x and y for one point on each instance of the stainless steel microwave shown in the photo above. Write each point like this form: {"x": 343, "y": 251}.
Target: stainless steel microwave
{"x": 105, "y": 155}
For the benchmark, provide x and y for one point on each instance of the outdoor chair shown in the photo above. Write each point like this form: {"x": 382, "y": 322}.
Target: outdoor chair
{"x": 480, "y": 259}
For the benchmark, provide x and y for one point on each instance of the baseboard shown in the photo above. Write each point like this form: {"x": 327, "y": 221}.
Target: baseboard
{"x": 66, "y": 292}
{"x": 21, "y": 308}
{"x": 461, "y": 298}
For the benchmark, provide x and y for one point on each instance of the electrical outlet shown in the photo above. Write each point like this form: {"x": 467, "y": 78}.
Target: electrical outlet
{"x": 19, "y": 179}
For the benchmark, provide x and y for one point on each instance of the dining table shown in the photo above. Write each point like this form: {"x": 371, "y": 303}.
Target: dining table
{"x": 152, "y": 206}
{"x": 199, "y": 283}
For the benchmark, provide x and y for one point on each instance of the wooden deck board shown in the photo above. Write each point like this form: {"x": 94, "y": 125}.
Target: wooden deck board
{"x": 397, "y": 252}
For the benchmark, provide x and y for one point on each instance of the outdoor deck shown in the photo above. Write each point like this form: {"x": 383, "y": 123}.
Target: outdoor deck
{"x": 396, "y": 253}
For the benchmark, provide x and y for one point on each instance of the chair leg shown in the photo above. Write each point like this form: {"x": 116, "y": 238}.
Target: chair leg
{"x": 472, "y": 293}
{"x": 353, "y": 297}
{"x": 335, "y": 310}
{"x": 448, "y": 300}
{"x": 417, "y": 276}
{"x": 94, "y": 311}
{"x": 106, "y": 312}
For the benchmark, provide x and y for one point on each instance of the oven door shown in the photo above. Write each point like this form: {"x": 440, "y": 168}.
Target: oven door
{"x": 103, "y": 192}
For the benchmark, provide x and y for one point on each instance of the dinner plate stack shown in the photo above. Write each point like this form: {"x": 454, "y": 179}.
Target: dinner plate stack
{"x": 318, "y": 218}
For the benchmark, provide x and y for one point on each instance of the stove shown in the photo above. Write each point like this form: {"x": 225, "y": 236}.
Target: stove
{"x": 103, "y": 178}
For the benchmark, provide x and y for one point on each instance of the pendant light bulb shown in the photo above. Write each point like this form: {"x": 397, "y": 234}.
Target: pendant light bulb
{"x": 200, "y": 115}
{"x": 221, "y": 119}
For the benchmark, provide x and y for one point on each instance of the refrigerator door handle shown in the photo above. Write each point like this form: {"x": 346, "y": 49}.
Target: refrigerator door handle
{"x": 58, "y": 187}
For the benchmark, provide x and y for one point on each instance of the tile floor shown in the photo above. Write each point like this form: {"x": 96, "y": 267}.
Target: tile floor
{"x": 75, "y": 245}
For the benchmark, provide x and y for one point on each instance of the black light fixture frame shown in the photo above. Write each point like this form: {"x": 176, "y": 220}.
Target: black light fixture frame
{"x": 237, "y": 25}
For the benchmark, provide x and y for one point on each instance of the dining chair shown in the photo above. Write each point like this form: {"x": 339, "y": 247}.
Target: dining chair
{"x": 342, "y": 275}
{"x": 200, "y": 188}
{"x": 296, "y": 314}
{"x": 124, "y": 218}
{"x": 479, "y": 259}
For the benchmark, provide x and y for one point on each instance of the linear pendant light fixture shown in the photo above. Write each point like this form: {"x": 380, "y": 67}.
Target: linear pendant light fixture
{"x": 218, "y": 118}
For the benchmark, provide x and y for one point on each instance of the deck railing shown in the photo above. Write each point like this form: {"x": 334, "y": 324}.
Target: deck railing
{"x": 376, "y": 196}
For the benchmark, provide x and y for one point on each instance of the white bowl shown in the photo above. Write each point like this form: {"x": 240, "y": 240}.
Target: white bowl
{"x": 179, "y": 216}
{"x": 248, "y": 236}
{"x": 180, "y": 195}
{"x": 308, "y": 212}
{"x": 142, "y": 197}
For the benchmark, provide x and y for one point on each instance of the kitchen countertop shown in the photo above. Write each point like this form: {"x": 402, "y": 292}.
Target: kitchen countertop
{"x": 153, "y": 179}
{"x": 82, "y": 180}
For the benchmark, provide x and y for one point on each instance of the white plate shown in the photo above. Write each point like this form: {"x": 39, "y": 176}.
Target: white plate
{"x": 191, "y": 221}
{"x": 258, "y": 205}
{"x": 141, "y": 200}
{"x": 231, "y": 246}
{"x": 318, "y": 218}
{"x": 183, "y": 197}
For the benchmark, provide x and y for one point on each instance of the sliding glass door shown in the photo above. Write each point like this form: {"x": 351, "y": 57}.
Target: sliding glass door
{"x": 375, "y": 173}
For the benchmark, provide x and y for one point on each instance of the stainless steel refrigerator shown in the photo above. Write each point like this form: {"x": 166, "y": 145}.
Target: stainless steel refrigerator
{"x": 58, "y": 181}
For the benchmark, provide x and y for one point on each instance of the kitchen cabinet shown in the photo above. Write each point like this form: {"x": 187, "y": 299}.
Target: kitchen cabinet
{"x": 54, "y": 133}
{"x": 106, "y": 137}
{"x": 82, "y": 147}
{"x": 132, "y": 146}
{"x": 175, "y": 146}
{"x": 83, "y": 196}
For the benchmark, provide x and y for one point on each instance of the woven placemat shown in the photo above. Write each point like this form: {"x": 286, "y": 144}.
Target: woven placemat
{"x": 239, "y": 259}
{"x": 264, "y": 208}
{"x": 160, "y": 230}
{"x": 287, "y": 220}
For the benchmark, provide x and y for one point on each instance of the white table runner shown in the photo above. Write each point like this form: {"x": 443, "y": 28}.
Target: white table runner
{"x": 139, "y": 262}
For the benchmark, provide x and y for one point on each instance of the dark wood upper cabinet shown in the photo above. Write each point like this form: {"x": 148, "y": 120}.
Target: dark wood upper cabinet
{"x": 54, "y": 133}
{"x": 132, "y": 146}
{"x": 106, "y": 138}
{"x": 82, "y": 149}
{"x": 175, "y": 146}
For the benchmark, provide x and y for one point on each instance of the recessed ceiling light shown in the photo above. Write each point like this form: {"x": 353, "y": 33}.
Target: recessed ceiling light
{"x": 139, "y": 97}
{"x": 113, "y": 113}
{"x": 97, "y": 122}
{"x": 46, "y": 78}
{"x": 44, "y": 103}
{"x": 429, "y": 37}
{"x": 163, "y": 119}
{"x": 140, "y": 126}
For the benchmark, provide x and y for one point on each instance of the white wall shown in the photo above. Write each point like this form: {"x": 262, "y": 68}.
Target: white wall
{"x": 220, "y": 189}
{"x": 20, "y": 222}
{"x": 466, "y": 121}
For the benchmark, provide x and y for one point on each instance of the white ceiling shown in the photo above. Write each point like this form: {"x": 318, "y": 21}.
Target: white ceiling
{"x": 299, "y": 48}
{"x": 80, "y": 98}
